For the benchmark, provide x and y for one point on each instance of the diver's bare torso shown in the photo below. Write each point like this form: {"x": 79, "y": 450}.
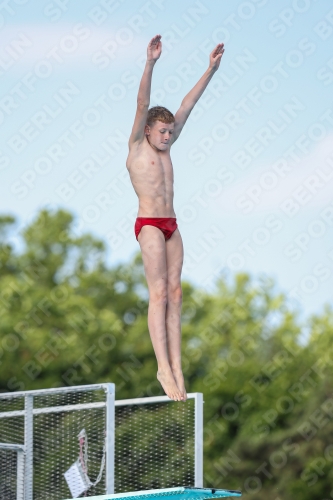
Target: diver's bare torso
{"x": 151, "y": 173}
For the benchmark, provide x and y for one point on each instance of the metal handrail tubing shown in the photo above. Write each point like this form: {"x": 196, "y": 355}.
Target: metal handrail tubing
{"x": 12, "y": 446}
{"x": 54, "y": 409}
{"x": 55, "y": 390}
{"x": 153, "y": 399}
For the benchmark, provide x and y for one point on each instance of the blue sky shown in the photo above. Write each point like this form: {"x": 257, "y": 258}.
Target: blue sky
{"x": 253, "y": 166}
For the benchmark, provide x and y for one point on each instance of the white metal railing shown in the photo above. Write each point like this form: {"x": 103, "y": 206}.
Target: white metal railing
{"x": 20, "y": 451}
{"x": 25, "y": 450}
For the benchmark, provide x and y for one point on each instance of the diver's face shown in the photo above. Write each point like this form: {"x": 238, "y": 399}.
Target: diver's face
{"x": 159, "y": 134}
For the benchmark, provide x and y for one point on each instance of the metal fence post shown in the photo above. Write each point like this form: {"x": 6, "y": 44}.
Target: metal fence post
{"x": 28, "y": 444}
{"x": 198, "y": 424}
{"x": 110, "y": 438}
{"x": 20, "y": 475}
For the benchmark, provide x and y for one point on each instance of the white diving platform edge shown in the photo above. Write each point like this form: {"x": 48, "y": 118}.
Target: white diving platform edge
{"x": 186, "y": 493}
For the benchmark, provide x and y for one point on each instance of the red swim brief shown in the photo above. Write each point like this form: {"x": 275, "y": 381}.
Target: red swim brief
{"x": 166, "y": 224}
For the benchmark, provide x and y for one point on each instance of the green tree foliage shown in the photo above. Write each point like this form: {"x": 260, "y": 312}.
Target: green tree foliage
{"x": 67, "y": 318}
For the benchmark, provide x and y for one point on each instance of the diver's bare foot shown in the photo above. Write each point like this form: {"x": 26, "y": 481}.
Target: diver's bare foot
{"x": 179, "y": 378}
{"x": 167, "y": 381}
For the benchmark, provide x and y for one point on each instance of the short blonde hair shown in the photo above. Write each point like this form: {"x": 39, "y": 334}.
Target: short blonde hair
{"x": 159, "y": 113}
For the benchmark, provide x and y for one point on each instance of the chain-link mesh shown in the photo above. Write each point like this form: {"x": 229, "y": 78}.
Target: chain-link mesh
{"x": 154, "y": 443}
{"x": 8, "y": 474}
{"x": 154, "y": 446}
{"x": 11, "y": 432}
{"x": 56, "y": 443}
{"x": 12, "y": 428}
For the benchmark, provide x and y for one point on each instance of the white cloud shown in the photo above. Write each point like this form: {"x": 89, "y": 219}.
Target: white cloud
{"x": 309, "y": 182}
{"x": 74, "y": 43}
